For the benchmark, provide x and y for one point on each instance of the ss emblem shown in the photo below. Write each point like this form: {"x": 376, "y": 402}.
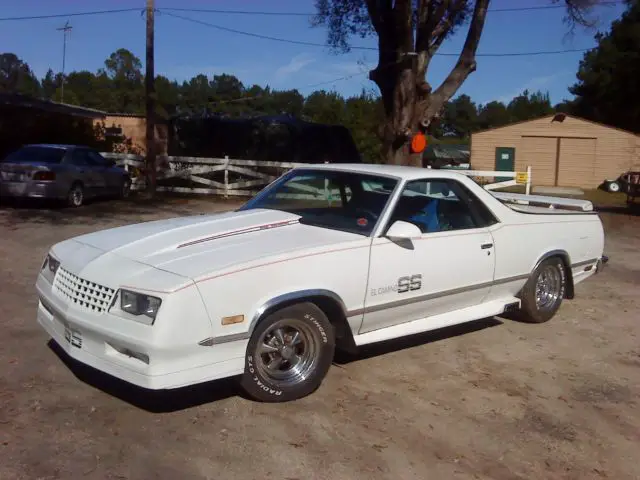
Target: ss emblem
{"x": 405, "y": 284}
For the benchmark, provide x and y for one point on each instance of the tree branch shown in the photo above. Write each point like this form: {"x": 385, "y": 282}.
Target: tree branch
{"x": 464, "y": 66}
{"x": 435, "y": 25}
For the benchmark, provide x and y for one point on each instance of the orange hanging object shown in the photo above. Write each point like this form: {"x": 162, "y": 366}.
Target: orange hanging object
{"x": 418, "y": 142}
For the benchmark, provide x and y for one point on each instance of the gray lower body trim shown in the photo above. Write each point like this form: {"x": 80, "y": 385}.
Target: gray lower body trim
{"x": 586, "y": 262}
{"x": 234, "y": 337}
{"x": 432, "y": 296}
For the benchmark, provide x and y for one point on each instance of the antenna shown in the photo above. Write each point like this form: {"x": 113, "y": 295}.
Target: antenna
{"x": 65, "y": 29}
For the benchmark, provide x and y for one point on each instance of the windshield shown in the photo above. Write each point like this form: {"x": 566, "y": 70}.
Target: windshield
{"x": 36, "y": 155}
{"x": 347, "y": 201}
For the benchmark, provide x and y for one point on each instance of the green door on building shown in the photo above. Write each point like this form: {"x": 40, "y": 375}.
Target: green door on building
{"x": 505, "y": 161}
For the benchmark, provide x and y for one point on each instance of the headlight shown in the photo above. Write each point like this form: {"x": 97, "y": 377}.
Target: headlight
{"x": 140, "y": 305}
{"x": 50, "y": 267}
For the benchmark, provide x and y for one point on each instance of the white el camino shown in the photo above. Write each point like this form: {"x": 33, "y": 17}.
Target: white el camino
{"x": 327, "y": 256}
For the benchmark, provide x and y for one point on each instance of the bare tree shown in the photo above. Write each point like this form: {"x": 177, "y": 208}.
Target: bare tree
{"x": 409, "y": 34}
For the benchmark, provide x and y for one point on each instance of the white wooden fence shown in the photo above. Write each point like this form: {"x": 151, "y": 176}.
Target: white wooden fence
{"x": 244, "y": 177}
{"x": 240, "y": 176}
{"x": 518, "y": 178}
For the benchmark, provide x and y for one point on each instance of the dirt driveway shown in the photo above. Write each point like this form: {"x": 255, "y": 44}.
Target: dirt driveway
{"x": 497, "y": 399}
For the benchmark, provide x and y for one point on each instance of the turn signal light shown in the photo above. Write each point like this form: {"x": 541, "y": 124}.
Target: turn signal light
{"x": 44, "y": 176}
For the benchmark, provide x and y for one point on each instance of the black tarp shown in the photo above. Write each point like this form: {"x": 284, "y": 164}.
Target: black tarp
{"x": 265, "y": 138}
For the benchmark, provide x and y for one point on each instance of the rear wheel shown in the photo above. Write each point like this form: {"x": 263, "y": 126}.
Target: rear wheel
{"x": 543, "y": 294}
{"x": 75, "y": 197}
{"x": 289, "y": 354}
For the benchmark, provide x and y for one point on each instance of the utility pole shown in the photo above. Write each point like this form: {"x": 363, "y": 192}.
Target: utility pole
{"x": 150, "y": 100}
{"x": 65, "y": 31}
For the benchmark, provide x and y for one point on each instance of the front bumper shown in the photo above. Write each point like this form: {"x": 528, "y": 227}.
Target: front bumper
{"x": 128, "y": 351}
{"x": 29, "y": 189}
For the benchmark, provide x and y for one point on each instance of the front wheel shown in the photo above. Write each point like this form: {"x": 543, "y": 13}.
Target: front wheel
{"x": 289, "y": 354}
{"x": 126, "y": 188}
{"x": 544, "y": 292}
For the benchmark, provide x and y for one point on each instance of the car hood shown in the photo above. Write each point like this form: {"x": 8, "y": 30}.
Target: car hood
{"x": 196, "y": 246}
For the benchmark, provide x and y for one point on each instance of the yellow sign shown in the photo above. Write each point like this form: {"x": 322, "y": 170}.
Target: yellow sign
{"x": 521, "y": 177}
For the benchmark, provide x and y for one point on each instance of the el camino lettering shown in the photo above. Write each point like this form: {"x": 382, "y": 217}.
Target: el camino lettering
{"x": 404, "y": 284}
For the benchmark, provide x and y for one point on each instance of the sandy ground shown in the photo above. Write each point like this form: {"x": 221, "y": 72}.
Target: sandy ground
{"x": 496, "y": 399}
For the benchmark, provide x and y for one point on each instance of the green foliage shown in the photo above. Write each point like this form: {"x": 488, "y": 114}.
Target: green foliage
{"x": 529, "y": 106}
{"x": 16, "y": 76}
{"x": 608, "y": 78}
{"x": 119, "y": 88}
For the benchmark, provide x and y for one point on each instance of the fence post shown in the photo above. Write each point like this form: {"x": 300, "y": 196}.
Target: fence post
{"x": 226, "y": 176}
{"x": 528, "y": 187}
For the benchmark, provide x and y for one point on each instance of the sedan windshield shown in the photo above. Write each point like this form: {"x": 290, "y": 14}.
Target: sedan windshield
{"x": 346, "y": 201}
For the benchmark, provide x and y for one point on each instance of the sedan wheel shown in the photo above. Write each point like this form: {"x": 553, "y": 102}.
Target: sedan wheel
{"x": 75, "y": 197}
{"x": 289, "y": 354}
{"x": 126, "y": 188}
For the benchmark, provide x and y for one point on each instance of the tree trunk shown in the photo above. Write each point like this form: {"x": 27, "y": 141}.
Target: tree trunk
{"x": 409, "y": 102}
{"x": 404, "y": 105}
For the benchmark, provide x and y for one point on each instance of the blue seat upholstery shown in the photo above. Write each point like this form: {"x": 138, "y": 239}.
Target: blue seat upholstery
{"x": 428, "y": 218}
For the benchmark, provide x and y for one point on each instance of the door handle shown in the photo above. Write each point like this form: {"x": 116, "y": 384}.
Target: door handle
{"x": 484, "y": 246}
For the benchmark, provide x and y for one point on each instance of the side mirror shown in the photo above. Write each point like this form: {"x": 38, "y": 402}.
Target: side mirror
{"x": 401, "y": 230}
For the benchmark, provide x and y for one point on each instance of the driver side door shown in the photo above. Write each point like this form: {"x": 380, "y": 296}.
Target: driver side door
{"x": 449, "y": 266}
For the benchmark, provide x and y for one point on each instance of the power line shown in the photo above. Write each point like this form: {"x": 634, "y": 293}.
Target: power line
{"x": 75, "y": 14}
{"x": 250, "y": 34}
{"x": 307, "y": 14}
{"x": 257, "y": 12}
{"x": 322, "y": 45}
{"x": 305, "y": 87}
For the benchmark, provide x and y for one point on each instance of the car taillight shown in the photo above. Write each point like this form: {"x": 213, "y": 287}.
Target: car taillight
{"x": 44, "y": 176}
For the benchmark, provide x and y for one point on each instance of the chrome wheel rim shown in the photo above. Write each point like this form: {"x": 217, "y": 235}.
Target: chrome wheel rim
{"x": 287, "y": 352}
{"x": 76, "y": 196}
{"x": 548, "y": 287}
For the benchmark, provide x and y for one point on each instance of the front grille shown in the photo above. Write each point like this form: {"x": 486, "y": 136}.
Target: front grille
{"x": 83, "y": 293}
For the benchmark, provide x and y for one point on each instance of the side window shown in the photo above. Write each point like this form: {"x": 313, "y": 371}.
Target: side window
{"x": 436, "y": 205}
{"x": 483, "y": 214}
{"x": 79, "y": 157}
{"x": 96, "y": 159}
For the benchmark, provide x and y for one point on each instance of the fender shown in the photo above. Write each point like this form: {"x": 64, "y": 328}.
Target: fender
{"x": 294, "y": 297}
{"x": 333, "y": 306}
{"x": 564, "y": 256}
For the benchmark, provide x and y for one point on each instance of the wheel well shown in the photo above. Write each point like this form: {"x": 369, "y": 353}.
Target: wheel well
{"x": 77, "y": 182}
{"x": 331, "y": 307}
{"x": 564, "y": 257}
